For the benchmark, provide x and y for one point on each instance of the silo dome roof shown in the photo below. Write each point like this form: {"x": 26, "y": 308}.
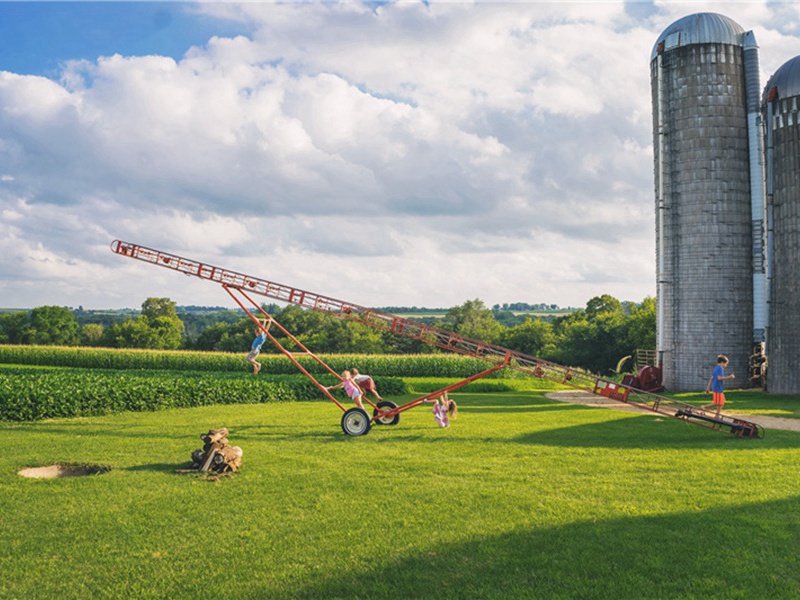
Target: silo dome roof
{"x": 700, "y": 28}
{"x": 786, "y": 80}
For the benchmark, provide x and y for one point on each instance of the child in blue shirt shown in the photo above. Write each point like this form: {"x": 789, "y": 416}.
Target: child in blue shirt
{"x": 261, "y": 337}
{"x": 716, "y": 386}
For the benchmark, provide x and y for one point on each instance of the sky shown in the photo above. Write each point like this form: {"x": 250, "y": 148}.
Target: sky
{"x": 384, "y": 153}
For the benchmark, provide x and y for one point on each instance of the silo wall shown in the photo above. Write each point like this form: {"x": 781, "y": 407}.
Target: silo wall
{"x": 703, "y": 213}
{"x": 783, "y": 144}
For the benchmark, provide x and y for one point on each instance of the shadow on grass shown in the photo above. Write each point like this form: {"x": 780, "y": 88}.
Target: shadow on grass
{"x": 504, "y": 399}
{"x": 337, "y": 436}
{"x": 160, "y": 467}
{"x": 176, "y": 432}
{"x": 512, "y": 403}
{"x": 84, "y": 430}
{"x": 528, "y": 408}
{"x": 746, "y": 551}
{"x": 637, "y": 431}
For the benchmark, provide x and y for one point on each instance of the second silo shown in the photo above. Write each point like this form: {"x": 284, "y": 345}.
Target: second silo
{"x": 782, "y": 130}
{"x": 704, "y": 214}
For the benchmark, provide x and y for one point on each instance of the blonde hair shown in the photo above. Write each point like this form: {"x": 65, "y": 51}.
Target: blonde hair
{"x": 452, "y": 409}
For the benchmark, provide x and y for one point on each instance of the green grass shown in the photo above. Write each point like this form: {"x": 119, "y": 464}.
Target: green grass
{"x": 749, "y": 402}
{"x": 523, "y": 497}
{"x": 514, "y": 383}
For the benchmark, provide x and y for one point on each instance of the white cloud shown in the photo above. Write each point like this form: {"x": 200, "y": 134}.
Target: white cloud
{"x": 393, "y": 154}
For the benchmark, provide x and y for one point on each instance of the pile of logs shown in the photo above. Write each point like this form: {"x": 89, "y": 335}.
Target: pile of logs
{"x": 217, "y": 454}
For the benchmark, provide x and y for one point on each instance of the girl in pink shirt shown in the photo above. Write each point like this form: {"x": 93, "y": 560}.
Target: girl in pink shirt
{"x": 442, "y": 412}
{"x": 350, "y": 388}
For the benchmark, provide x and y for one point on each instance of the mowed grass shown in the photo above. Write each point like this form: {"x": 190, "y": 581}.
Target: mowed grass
{"x": 523, "y": 497}
{"x": 754, "y": 402}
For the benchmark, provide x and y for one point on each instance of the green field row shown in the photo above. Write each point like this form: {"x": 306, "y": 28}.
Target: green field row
{"x": 29, "y": 393}
{"x": 405, "y": 365}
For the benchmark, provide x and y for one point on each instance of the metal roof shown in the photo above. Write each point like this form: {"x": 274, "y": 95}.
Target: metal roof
{"x": 700, "y": 28}
{"x": 786, "y": 79}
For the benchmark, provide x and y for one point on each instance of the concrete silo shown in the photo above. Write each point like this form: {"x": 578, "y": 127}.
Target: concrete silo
{"x": 782, "y": 134}
{"x": 709, "y": 210}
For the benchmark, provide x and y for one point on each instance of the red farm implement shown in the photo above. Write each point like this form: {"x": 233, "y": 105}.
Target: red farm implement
{"x": 357, "y": 422}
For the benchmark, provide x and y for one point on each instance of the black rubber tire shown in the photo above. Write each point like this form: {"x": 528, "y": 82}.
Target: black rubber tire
{"x": 356, "y": 421}
{"x": 198, "y": 456}
{"x": 383, "y": 405}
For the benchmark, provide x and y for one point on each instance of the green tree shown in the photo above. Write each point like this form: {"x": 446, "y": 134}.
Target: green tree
{"x": 473, "y": 319}
{"x": 607, "y": 344}
{"x": 12, "y": 326}
{"x": 92, "y": 334}
{"x": 533, "y": 337}
{"x": 322, "y": 332}
{"x": 640, "y": 326}
{"x": 238, "y": 337}
{"x": 168, "y": 332}
{"x": 211, "y": 336}
{"x": 347, "y": 337}
{"x": 195, "y": 322}
{"x": 575, "y": 346}
{"x": 600, "y": 305}
{"x": 399, "y": 344}
{"x": 596, "y": 338}
{"x": 131, "y": 333}
{"x": 310, "y": 327}
{"x": 159, "y": 315}
{"x": 54, "y": 325}
{"x": 158, "y": 327}
{"x": 152, "y": 308}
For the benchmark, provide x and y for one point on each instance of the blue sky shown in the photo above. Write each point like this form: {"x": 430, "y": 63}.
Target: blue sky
{"x": 397, "y": 153}
{"x": 38, "y": 37}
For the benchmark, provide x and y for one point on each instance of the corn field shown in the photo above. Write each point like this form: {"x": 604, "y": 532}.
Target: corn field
{"x": 39, "y": 382}
{"x": 393, "y": 365}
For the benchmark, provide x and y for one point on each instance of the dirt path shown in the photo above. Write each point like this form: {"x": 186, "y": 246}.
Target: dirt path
{"x": 589, "y": 399}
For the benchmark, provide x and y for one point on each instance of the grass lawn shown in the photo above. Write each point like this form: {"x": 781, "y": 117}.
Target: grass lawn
{"x": 749, "y": 402}
{"x": 523, "y": 497}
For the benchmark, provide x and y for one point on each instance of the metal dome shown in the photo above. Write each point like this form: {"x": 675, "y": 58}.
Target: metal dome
{"x": 700, "y": 28}
{"x": 786, "y": 79}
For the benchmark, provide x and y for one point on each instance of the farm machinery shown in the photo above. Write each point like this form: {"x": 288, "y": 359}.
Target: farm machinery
{"x": 356, "y": 421}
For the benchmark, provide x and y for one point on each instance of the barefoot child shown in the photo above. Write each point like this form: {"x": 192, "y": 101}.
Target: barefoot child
{"x": 350, "y": 388}
{"x": 365, "y": 382}
{"x": 261, "y": 337}
{"x": 442, "y": 412}
{"x": 716, "y": 386}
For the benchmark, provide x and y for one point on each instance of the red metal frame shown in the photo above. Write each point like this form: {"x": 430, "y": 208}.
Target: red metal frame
{"x": 452, "y": 387}
{"x": 446, "y": 340}
{"x": 291, "y": 356}
{"x": 379, "y": 412}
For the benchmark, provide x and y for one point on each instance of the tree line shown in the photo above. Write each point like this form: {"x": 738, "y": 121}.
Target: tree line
{"x": 593, "y": 338}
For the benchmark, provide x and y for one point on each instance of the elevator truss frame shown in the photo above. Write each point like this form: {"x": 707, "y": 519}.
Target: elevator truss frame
{"x": 385, "y": 412}
{"x": 500, "y": 357}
